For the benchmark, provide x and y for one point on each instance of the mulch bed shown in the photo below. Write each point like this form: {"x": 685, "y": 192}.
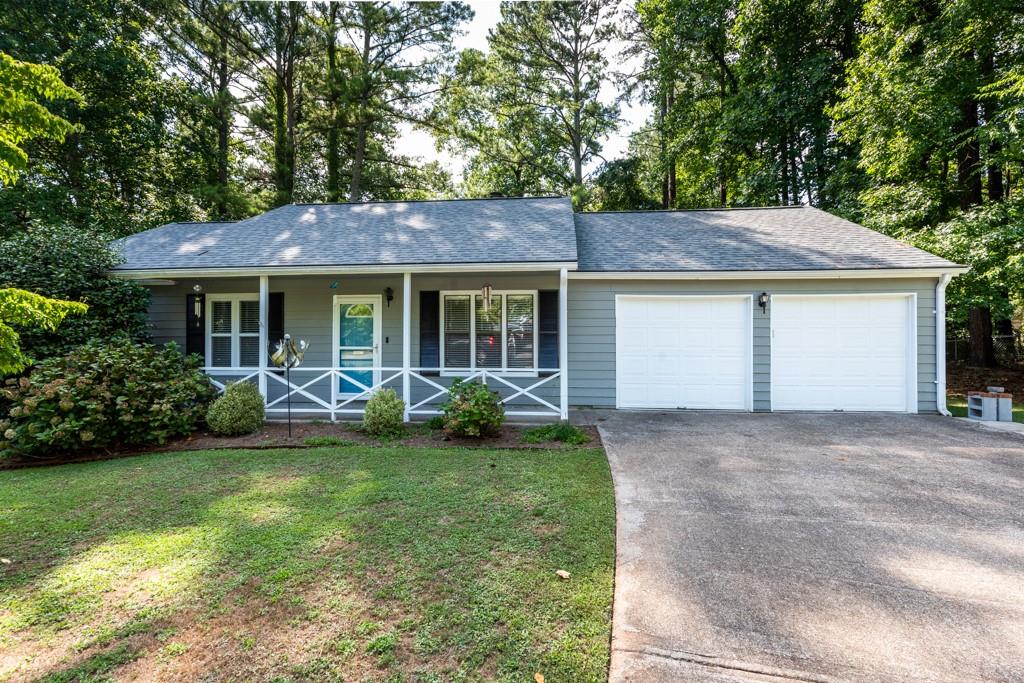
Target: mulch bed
{"x": 275, "y": 435}
{"x": 961, "y": 378}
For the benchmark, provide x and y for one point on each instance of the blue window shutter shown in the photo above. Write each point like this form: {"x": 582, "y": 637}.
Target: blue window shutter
{"x": 547, "y": 328}
{"x": 430, "y": 330}
{"x": 275, "y": 321}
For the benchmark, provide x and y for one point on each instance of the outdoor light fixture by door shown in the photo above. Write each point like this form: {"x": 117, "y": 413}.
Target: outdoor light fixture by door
{"x": 485, "y": 292}
{"x": 762, "y": 301}
{"x": 197, "y": 303}
{"x": 389, "y": 294}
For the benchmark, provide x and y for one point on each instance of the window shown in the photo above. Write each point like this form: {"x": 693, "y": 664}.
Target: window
{"x": 233, "y": 330}
{"x": 501, "y": 337}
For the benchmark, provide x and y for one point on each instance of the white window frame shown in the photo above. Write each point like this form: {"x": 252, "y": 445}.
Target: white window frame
{"x": 503, "y": 370}
{"x": 235, "y": 333}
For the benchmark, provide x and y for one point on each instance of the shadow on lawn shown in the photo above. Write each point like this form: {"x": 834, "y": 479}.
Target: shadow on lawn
{"x": 134, "y": 563}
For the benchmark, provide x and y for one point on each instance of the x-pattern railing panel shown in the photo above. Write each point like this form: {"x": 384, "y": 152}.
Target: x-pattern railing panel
{"x": 337, "y": 403}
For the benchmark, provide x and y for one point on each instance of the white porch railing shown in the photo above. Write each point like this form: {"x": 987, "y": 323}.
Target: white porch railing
{"x": 334, "y": 403}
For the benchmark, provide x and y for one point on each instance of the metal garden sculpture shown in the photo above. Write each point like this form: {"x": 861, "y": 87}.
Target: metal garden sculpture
{"x": 288, "y": 354}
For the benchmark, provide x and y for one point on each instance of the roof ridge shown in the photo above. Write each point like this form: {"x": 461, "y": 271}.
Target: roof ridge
{"x": 703, "y": 210}
{"x": 423, "y": 201}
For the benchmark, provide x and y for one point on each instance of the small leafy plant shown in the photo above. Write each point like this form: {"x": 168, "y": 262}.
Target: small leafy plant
{"x": 383, "y": 417}
{"x": 238, "y": 411}
{"x": 560, "y": 431}
{"x": 435, "y": 423}
{"x": 472, "y": 410}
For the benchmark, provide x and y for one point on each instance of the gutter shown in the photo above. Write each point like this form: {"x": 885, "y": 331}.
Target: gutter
{"x": 389, "y": 269}
{"x": 940, "y": 345}
{"x": 831, "y": 274}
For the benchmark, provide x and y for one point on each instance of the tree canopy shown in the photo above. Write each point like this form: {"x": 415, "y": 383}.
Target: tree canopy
{"x": 905, "y": 115}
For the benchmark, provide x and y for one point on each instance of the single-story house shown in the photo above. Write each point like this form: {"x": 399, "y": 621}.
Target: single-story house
{"x": 766, "y": 309}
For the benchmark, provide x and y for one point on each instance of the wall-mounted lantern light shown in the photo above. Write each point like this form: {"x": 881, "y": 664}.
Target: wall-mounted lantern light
{"x": 389, "y": 295}
{"x": 762, "y": 301}
{"x": 485, "y": 292}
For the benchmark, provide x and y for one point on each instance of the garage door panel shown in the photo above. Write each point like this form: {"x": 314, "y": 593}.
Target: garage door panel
{"x": 841, "y": 353}
{"x": 683, "y": 352}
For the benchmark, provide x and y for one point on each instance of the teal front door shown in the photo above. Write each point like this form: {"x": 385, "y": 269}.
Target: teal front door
{"x": 358, "y": 336}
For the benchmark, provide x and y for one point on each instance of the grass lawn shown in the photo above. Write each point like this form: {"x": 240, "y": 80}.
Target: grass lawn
{"x": 958, "y": 406}
{"x": 354, "y": 563}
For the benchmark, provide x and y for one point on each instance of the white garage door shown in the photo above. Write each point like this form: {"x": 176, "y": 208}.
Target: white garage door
{"x": 843, "y": 353}
{"x": 683, "y": 352}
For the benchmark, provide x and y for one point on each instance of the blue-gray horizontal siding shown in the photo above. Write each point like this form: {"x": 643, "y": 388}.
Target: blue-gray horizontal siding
{"x": 592, "y": 328}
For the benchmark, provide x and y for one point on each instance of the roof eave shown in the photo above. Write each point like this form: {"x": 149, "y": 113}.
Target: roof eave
{"x": 818, "y": 274}
{"x": 247, "y": 271}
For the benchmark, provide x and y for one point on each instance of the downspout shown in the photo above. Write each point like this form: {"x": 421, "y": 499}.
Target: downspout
{"x": 940, "y": 344}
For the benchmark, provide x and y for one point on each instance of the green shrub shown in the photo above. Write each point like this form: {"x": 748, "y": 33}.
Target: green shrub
{"x": 317, "y": 441}
{"x": 73, "y": 264}
{"x": 559, "y": 431}
{"x": 383, "y": 417}
{"x": 104, "y": 395}
{"x": 435, "y": 423}
{"x": 472, "y": 410}
{"x": 239, "y": 410}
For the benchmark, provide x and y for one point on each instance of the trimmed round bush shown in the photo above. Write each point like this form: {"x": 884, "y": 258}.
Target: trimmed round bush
{"x": 472, "y": 410}
{"x": 239, "y": 410}
{"x": 384, "y": 414}
{"x": 103, "y": 395}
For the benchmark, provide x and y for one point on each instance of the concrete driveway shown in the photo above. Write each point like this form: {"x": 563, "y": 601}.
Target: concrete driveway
{"x": 816, "y": 548}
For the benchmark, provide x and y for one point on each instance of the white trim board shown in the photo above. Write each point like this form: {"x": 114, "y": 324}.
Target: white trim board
{"x": 865, "y": 274}
{"x": 535, "y": 267}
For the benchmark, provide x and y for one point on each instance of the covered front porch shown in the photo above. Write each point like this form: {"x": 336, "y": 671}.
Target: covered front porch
{"x": 411, "y": 331}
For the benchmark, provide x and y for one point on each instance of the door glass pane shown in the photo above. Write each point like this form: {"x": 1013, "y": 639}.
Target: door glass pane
{"x": 356, "y": 325}
{"x": 220, "y": 354}
{"x": 249, "y": 351}
{"x": 456, "y": 331}
{"x": 249, "y": 317}
{"x": 221, "y": 321}
{"x": 488, "y": 333}
{"x": 351, "y": 361}
{"x": 519, "y": 326}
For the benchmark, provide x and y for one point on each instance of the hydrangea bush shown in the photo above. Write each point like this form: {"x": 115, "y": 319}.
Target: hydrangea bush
{"x": 103, "y": 395}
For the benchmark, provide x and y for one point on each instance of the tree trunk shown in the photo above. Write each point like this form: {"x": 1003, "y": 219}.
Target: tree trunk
{"x": 968, "y": 156}
{"x": 672, "y": 199}
{"x": 282, "y": 196}
{"x": 784, "y": 162}
{"x": 223, "y": 127}
{"x": 333, "y": 155}
{"x": 359, "y": 155}
{"x": 663, "y": 141}
{"x": 982, "y": 352}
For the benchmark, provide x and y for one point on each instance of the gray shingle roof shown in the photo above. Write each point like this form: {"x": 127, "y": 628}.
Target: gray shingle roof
{"x": 783, "y": 238}
{"x": 519, "y": 230}
{"x": 524, "y": 230}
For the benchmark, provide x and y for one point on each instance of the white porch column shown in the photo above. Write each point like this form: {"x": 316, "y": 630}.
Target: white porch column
{"x": 406, "y": 340}
{"x": 264, "y": 332}
{"x": 563, "y": 341}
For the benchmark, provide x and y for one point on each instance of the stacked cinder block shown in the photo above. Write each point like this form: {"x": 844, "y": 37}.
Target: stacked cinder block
{"x": 992, "y": 405}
